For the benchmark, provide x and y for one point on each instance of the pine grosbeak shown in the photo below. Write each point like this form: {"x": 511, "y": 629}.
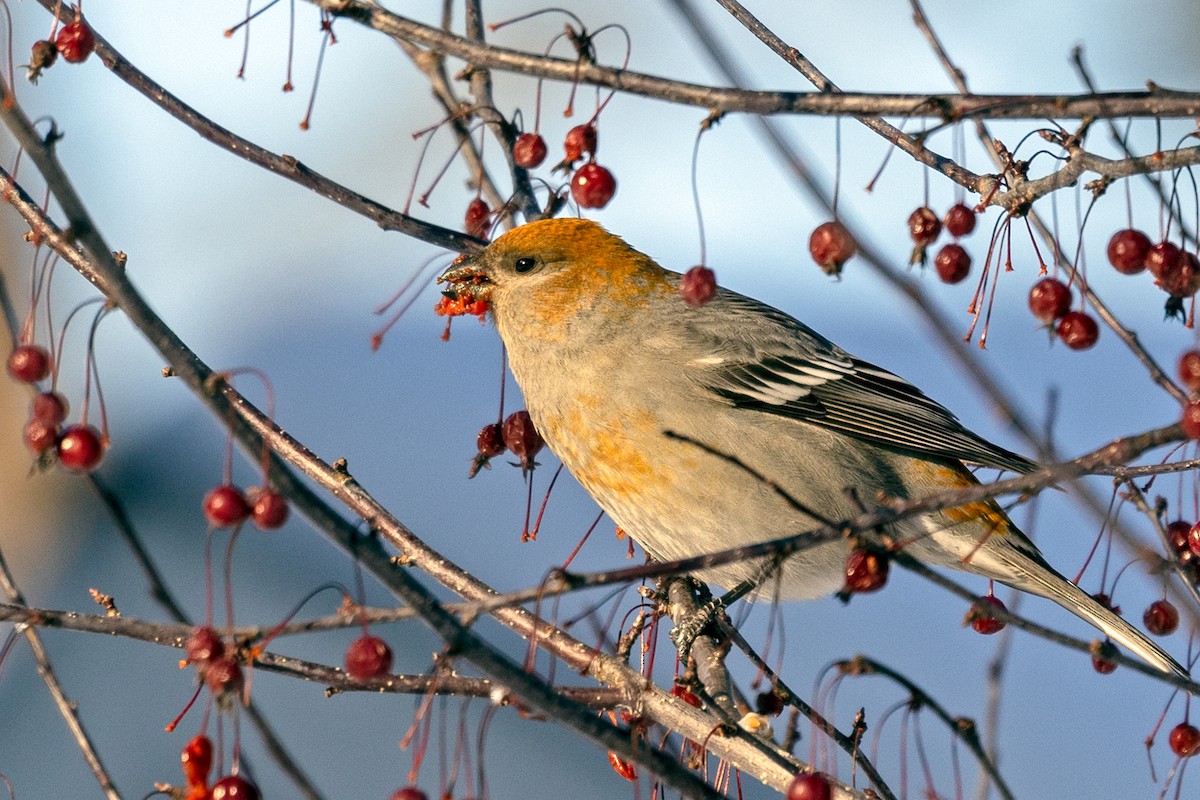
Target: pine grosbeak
{"x": 610, "y": 357}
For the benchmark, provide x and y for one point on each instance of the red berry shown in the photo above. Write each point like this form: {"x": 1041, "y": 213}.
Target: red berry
{"x": 225, "y": 506}
{"x": 1078, "y": 330}
{"x": 1127, "y": 251}
{"x": 981, "y": 619}
{"x": 579, "y": 141}
{"x": 952, "y": 263}
{"x": 490, "y": 441}
{"x": 75, "y": 41}
{"x": 593, "y": 186}
{"x": 866, "y": 570}
{"x": 959, "y": 220}
{"x": 1102, "y": 658}
{"x": 1181, "y": 278}
{"x": 368, "y": 657}
{"x": 197, "y": 760}
{"x": 1191, "y": 419}
{"x": 40, "y": 436}
{"x": 409, "y": 793}
{"x": 686, "y": 695}
{"x": 522, "y": 438}
{"x": 50, "y": 407}
{"x": 924, "y": 226}
{"x": 203, "y": 645}
{"x": 1162, "y": 257}
{"x": 223, "y": 675}
{"x": 1049, "y": 299}
{"x": 809, "y": 786}
{"x": 622, "y": 767}
{"x": 269, "y": 510}
{"x": 234, "y": 787}
{"x": 1184, "y": 740}
{"x": 1179, "y": 533}
{"x": 475, "y": 222}
{"x": 1161, "y": 618}
{"x": 1189, "y": 370}
{"x": 80, "y": 448}
{"x": 698, "y": 285}
{"x": 1192, "y": 542}
{"x": 529, "y": 150}
{"x": 831, "y": 246}
{"x": 29, "y": 363}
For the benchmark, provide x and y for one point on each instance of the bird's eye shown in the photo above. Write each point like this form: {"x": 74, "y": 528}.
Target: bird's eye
{"x": 525, "y": 264}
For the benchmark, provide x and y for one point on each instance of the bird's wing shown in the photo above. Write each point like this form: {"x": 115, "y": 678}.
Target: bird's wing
{"x": 753, "y": 356}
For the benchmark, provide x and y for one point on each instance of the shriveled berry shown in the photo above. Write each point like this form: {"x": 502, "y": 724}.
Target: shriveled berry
{"x": 80, "y": 448}
{"x": 29, "y": 363}
{"x": 593, "y": 186}
{"x": 1189, "y": 370}
{"x": 223, "y": 675}
{"x": 40, "y": 436}
{"x": 49, "y": 407}
{"x": 75, "y": 41}
{"x": 203, "y": 645}
{"x": 368, "y": 657}
{"x": 981, "y": 618}
{"x": 1049, "y": 299}
{"x": 41, "y": 58}
{"x": 488, "y": 444}
{"x": 768, "y": 704}
{"x": 409, "y": 793}
{"x": 1103, "y": 660}
{"x": 1162, "y": 257}
{"x": 225, "y": 506}
{"x": 959, "y": 220}
{"x": 579, "y": 141}
{"x": 234, "y": 787}
{"x": 475, "y": 221}
{"x": 1184, "y": 740}
{"x": 197, "y": 760}
{"x": 831, "y": 246}
{"x": 1191, "y": 419}
{"x": 952, "y": 263}
{"x": 269, "y": 509}
{"x": 1161, "y": 617}
{"x": 809, "y": 786}
{"x": 529, "y": 150}
{"x": 522, "y": 438}
{"x": 698, "y": 285}
{"x": 866, "y": 570}
{"x": 624, "y": 768}
{"x": 1127, "y": 251}
{"x": 1181, "y": 278}
{"x": 1078, "y": 330}
{"x": 923, "y": 226}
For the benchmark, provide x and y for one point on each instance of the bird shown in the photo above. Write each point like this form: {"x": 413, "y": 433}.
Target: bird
{"x": 624, "y": 379}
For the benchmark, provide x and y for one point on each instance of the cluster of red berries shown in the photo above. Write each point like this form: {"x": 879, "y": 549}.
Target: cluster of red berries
{"x": 75, "y": 42}
{"x": 952, "y": 262}
{"x": 1176, "y": 271}
{"x": 197, "y": 764}
{"x": 1050, "y": 302}
{"x": 216, "y": 664}
{"x": 1188, "y": 369}
{"x": 516, "y": 434}
{"x": 227, "y": 506}
{"x": 79, "y": 448}
{"x": 592, "y": 185}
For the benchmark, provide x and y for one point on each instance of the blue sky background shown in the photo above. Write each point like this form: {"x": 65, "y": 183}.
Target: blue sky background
{"x": 250, "y": 269}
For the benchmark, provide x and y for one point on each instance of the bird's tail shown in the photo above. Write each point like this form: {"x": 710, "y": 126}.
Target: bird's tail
{"x": 1082, "y": 605}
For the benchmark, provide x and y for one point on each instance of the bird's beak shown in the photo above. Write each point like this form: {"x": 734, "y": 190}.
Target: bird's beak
{"x": 464, "y": 272}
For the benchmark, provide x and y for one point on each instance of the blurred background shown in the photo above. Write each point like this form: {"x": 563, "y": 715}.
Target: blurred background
{"x": 250, "y": 269}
